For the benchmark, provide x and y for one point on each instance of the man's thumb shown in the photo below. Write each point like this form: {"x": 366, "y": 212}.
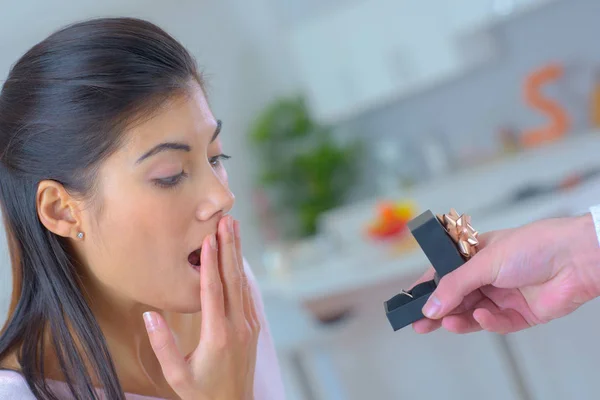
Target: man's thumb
{"x": 455, "y": 286}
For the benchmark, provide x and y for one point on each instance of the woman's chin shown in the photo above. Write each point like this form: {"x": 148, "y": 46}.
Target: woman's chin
{"x": 187, "y": 309}
{"x": 183, "y": 307}
{"x": 185, "y": 298}
{"x": 181, "y": 294}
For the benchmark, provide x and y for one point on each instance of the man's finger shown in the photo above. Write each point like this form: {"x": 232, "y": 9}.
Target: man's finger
{"x": 426, "y": 325}
{"x": 455, "y": 286}
{"x": 487, "y": 316}
{"x": 173, "y": 364}
{"x": 464, "y": 321}
{"x": 469, "y": 303}
{"x": 501, "y": 321}
{"x": 461, "y": 323}
{"x": 467, "y": 306}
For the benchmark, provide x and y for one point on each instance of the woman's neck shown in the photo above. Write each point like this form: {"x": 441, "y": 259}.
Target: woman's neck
{"x": 122, "y": 324}
{"x": 137, "y": 367}
{"x": 125, "y": 334}
{"x": 10, "y": 362}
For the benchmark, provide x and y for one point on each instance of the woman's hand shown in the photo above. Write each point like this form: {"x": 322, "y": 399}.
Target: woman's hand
{"x": 521, "y": 277}
{"x": 222, "y": 366}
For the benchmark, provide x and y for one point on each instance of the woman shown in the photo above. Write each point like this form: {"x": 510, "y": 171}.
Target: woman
{"x": 115, "y": 205}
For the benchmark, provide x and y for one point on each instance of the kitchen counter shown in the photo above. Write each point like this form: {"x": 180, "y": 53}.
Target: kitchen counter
{"x": 358, "y": 264}
{"x": 346, "y": 275}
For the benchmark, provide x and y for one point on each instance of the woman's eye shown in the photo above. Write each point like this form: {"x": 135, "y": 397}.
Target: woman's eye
{"x": 170, "y": 181}
{"x": 218, "y": 160}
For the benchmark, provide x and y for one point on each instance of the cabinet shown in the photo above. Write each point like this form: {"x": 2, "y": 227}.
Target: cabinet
{"x": 560, "y": 360}
{"x": 362, "y": 54}
{"x": 367, "y": 52}
{"x": 555, "y": 361}
{"x": 370, "y": 361}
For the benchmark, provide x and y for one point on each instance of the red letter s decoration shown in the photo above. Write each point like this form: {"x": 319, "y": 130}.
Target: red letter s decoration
{"x": 559, "y": 120}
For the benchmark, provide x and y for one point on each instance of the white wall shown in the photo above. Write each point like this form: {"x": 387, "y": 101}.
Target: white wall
{"x": 470, "y": 111}
{"x": 234, "y": 42}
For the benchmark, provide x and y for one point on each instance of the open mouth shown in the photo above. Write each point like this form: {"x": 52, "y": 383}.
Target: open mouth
{"x": 194, "y": 258}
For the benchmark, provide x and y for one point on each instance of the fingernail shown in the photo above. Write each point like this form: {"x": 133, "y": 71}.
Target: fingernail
{"x": 213, "y": 241}
{"x": 230, "y": 224}
{"x": 432, "y": 307}
{"x": 151, "y": 321}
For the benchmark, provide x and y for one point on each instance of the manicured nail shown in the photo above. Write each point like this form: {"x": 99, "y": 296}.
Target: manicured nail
{"x": 432, "y": 307}
{"x": 213, "y": 241}
{"x": 151, "y": 321}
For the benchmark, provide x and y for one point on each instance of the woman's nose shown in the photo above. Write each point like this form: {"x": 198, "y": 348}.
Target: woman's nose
{"x": 215, "y": 198}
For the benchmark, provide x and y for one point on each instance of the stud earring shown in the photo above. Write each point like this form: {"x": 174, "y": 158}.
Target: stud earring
{"x": 80, "y": 235}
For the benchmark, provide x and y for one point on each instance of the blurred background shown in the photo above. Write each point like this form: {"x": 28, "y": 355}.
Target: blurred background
{"x": 347, "y": 118}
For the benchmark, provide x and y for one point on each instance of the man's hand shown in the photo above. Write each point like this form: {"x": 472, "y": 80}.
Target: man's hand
{"x": 520, "y": 278}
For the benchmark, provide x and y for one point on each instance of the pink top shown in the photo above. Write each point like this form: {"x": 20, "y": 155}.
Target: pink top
{"x": 14, "y": 387}
{"x": 267, "y": 382}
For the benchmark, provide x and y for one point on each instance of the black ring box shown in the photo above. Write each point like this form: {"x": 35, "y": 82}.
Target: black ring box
{"x": 443, "y": 254}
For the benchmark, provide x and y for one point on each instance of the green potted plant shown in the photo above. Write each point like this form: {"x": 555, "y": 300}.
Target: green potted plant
{"x": 303, "y": 170}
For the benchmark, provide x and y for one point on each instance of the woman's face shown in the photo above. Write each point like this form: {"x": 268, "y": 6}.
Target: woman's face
{"x": 160, "y": 195}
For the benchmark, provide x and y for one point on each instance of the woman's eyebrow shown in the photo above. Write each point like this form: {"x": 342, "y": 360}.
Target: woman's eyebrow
{"x": 217, "y": 130}
{"x": 164, "y": 147}
{"x": 175, "y": 145}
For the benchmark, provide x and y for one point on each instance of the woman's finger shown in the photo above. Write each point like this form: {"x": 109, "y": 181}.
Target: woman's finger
{"x": 252, "y": 305}
{"x": 255, "y": 327}
{"x": 249, "y": 310}
{"x": 246, "y": 299}
{"x": 211, "y": 288}
{"x": 249, "y": 305}
{"x": 173, "y": 364}
{"x": 232, "y": 279}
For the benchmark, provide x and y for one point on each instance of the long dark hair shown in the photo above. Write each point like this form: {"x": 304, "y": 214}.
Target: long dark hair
{"x": 63, "y": 109}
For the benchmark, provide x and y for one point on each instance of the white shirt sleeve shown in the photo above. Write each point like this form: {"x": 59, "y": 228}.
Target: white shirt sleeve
{"x": 595, "y": 211}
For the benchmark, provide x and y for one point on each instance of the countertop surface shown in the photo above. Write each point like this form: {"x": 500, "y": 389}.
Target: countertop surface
{"x": 360, "y": 264}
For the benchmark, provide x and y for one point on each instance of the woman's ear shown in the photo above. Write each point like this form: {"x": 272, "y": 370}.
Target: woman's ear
{"x": 57, "y": 209}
